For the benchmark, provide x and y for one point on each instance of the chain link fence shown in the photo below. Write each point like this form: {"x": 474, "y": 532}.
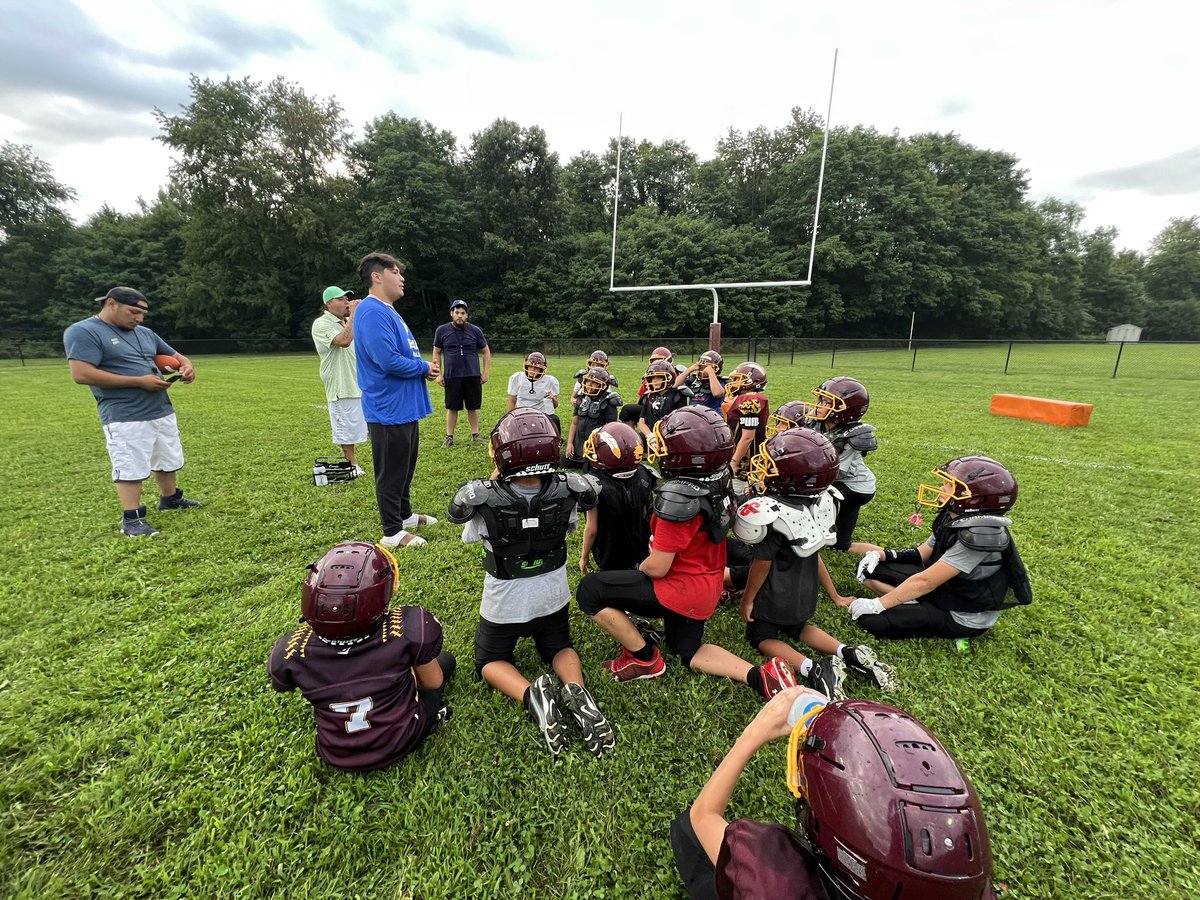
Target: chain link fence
{"x": 1164, "y": 359}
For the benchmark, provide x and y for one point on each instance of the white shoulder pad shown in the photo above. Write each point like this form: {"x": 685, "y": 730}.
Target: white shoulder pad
{"x": 753, "y": 519}
{"x": 809, "y": 528}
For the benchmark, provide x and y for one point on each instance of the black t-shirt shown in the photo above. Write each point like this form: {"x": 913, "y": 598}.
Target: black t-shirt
{"x": 789, "y": 595}
{"x": 655, "y": 406}
{"x": 364, "y": 695}
{"x": 623, "y": 530}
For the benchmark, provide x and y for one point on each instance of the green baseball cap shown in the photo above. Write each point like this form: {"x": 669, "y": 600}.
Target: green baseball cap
{"x": 335, "y": 293}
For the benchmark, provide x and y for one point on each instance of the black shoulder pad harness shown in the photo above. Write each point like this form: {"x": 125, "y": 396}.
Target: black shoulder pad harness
{"x": 681, "y": 499}
{"x": 584, "y": 487}
{"x": 861, "y": 437}
{"x": 472, "y": 494}
{"x": 986, "y": 533}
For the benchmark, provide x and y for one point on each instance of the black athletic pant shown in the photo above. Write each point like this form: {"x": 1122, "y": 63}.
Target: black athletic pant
{"x": 433, "y": 701}
{"x": 847, "y": 515}
{"x": 912, "y": 620}
{"x": 631, "y": 591}
{"x": 394, "y": 452}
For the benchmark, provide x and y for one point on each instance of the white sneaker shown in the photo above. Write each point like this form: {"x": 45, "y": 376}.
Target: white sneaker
{"x": 402, "y": 539}
{"x": 416, "y": 520}
{"x": 359, "y": 471}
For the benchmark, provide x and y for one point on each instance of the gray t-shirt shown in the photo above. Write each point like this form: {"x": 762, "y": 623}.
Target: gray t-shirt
{"x": 969, "y": 562}
{"x": 120, "y": 352}
{"x": 533, "y": 393}
{"x": 512, "y": 601}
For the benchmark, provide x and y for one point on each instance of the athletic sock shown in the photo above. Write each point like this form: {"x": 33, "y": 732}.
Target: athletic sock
{"x": 175, "y": 496}
{"x": 525, "y": 697}
{"x": 754, "y": 680}
{"x": 840, "y": 653}
{"x": 645, "y": 654}
{"x": 806, "y": 667}
{"x": 138, "y": 513}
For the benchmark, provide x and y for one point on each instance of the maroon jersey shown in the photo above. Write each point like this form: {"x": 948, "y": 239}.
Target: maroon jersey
{"x": 748, "y": 412}
{"x": 758, "y": 859}
{"x": 364, "y": 695}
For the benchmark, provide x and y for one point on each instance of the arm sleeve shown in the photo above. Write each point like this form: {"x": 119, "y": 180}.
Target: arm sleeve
{"x": 160, "y": 346}
{"x": 479, "y": 334}
{"x": 514, "y": 384}
{"x": 378, "y": 340}
{"x": 768, "y": 547}
{"x": 473, "y": 531}
{"x": 964, "y": 558}
{"x": 425, "y": 631}
{"x": 439, "y": 337}
{"x": 281, "y": 679}
{"x": 321, "y": 335}
{"x": 83, "y": 345}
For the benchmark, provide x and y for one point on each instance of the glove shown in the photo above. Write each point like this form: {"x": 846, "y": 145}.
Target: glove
{"x": 867, "y": 565}
{"x": 865, "y": 606}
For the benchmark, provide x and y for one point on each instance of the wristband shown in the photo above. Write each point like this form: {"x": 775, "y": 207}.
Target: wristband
{"x": 907, "y": 555}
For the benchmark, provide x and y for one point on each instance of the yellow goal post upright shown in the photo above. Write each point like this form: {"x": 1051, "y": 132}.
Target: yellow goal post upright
{"x": 714, "y": 328}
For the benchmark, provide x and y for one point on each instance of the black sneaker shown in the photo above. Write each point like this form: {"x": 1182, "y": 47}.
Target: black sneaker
{"x": 598, "y": 734}
{"x": 448, "y": 442}
{"x": 543, "y": 709}
{"x": 646, "y": 629}
{"x": 138, "y": 526}
{"x": 177, "y": 502}
{"x": 827, "y": 676}
{"x": 477, "y": 439}
{"x": 862, "y": 660}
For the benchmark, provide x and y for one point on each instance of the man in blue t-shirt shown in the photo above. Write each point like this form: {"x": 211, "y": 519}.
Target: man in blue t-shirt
{"x": 113, "y": 354}
{"x": 391, "y": 376}
{"x": 456, "y": 348}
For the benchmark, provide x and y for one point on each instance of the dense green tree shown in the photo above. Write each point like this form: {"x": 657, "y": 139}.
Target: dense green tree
{"x": 1172, "y": 279}
{"x": 255, "y": 168}
{"x": 1111, "y": 289}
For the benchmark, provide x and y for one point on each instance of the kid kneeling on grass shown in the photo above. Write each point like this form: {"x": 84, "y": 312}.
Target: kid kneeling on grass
{"x": 523, "y": 517}
{"x": 374, "y": 676}
{"x": 791, "y": 519}
{"x": 680, "y": 580}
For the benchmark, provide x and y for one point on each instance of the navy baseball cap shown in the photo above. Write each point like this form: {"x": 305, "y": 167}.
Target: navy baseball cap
{"x": 457, "y": 303}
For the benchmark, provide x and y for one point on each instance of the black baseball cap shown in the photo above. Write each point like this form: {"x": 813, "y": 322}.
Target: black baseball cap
{"x": 127, "y": 296}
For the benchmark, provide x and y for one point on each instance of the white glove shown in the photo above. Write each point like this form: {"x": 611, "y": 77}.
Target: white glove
{"x": 865, "y": 606}
{"x": 867, "y": 565}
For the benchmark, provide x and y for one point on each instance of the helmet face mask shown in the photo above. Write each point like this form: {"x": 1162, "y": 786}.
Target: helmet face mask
{"x": 347, "y": 591}
{"x": 691, "y": 441}
{"x": 791, "y": 415}
{"x": 524, "y": 442}
{"x": 615, "y": 447}
{"x": 710, "y": 359}
{"x": 595, "y": 382}
{"x": 659, "y": 376}
{"x": 749, "y": 376}
{"x": 535, "y": 366}
{"x": 971, "y": 484}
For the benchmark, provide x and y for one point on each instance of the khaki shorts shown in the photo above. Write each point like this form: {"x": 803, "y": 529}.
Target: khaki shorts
{"x": 138, "y": 448}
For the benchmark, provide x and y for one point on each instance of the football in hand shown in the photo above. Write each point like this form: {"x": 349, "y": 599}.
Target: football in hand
{"x": 168, "y": 365}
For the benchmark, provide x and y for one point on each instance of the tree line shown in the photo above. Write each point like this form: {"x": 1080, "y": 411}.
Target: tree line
{"x": 271, "y": 198}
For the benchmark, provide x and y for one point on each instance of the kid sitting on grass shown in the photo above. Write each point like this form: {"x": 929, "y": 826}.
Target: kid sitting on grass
{"x": 617, "y": 532}
{"x": 790, "y": 520}
{"x": 523, "y": 518}
{"x": 374, "y": 676}
{"x": 680, "y": 580}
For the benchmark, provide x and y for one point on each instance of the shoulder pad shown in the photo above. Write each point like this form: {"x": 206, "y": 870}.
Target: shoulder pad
{"x": 810, "y": 526}
{"x": 678, "y": 500}
{"x": 862, "y": 438}
{"x": 614, "y": 399}
{"x": 584, "y": 487}
{"x": 754, "y": 518}
{"x": 579, "y": 375}
{"x": 985, "y": 537}
{"x": 686, "y": 391}
{"x": 981, "y": 519}
{"x": 472, "y": 494}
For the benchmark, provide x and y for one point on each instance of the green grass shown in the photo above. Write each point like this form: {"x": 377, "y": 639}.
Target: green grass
{"x": 144, "y": 753}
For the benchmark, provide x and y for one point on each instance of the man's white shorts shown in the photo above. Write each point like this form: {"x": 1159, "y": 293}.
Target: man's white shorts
{"x": 139, "y": 448}
{"x": 346, "y": 418}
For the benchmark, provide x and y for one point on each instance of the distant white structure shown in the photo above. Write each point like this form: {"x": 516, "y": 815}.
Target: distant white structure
{"x": 1126, "y": 332}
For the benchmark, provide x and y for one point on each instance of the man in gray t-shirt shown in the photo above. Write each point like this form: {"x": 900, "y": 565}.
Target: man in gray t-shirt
{"x": 114, "y": 354}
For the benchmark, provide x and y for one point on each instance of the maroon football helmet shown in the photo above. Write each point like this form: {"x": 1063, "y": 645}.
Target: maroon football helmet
{"x": 886, "y": 810}
{"x": 615, "y": 447}
{"x": 661, "y": 353}
{"x": 710, "y": 359}
{"x": 535, "y": 365}
{"x": 798, "y": 462}
{"x": 659, "y": 376}
{"x": 841, "y": 400}
{"x": 595, "y": 381}
{"x": 791, "y": 415}
{"x": 347, "y": 590}
{"x": 971, "y": 484}
{"x": 692, "y": 440}
{"x": 598, "y": 360}
{"x": 749, "y": 376}
{"x": 524, "y": 442}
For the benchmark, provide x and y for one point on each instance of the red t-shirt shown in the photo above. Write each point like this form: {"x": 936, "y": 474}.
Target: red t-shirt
{"x": 693, "y": 584}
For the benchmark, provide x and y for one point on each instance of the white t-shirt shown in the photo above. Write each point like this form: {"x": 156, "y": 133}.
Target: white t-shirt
{"x": 532, "y": 394}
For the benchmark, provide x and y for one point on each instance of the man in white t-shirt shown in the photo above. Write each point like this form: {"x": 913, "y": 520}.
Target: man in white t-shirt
{"x": 532, "y": 388}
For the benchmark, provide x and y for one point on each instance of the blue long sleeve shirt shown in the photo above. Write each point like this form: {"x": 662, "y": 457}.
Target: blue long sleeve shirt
{"x": 391, "y": 373}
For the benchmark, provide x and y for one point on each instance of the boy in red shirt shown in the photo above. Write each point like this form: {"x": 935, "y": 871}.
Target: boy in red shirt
{"x": 680, "y": 580}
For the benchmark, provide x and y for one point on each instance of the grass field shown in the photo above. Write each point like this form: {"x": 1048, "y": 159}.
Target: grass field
{"x": 145, "y": 755}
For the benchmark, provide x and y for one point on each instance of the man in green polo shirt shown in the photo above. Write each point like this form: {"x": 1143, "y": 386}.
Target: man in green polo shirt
{"x": 333, "y": 334}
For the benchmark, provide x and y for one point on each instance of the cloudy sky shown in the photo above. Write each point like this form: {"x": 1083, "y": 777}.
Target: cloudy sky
{"x": 1091, "y": 95}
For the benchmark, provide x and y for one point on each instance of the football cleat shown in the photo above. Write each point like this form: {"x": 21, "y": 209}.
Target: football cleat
{"x": 628, "y": 667}
{"x": 543, "y": 709}
{"x": 862, "y": 660}
{"x": 828, "y": 676}
{"x": 598, "y": 734}
{"x": 777, "y": 675}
